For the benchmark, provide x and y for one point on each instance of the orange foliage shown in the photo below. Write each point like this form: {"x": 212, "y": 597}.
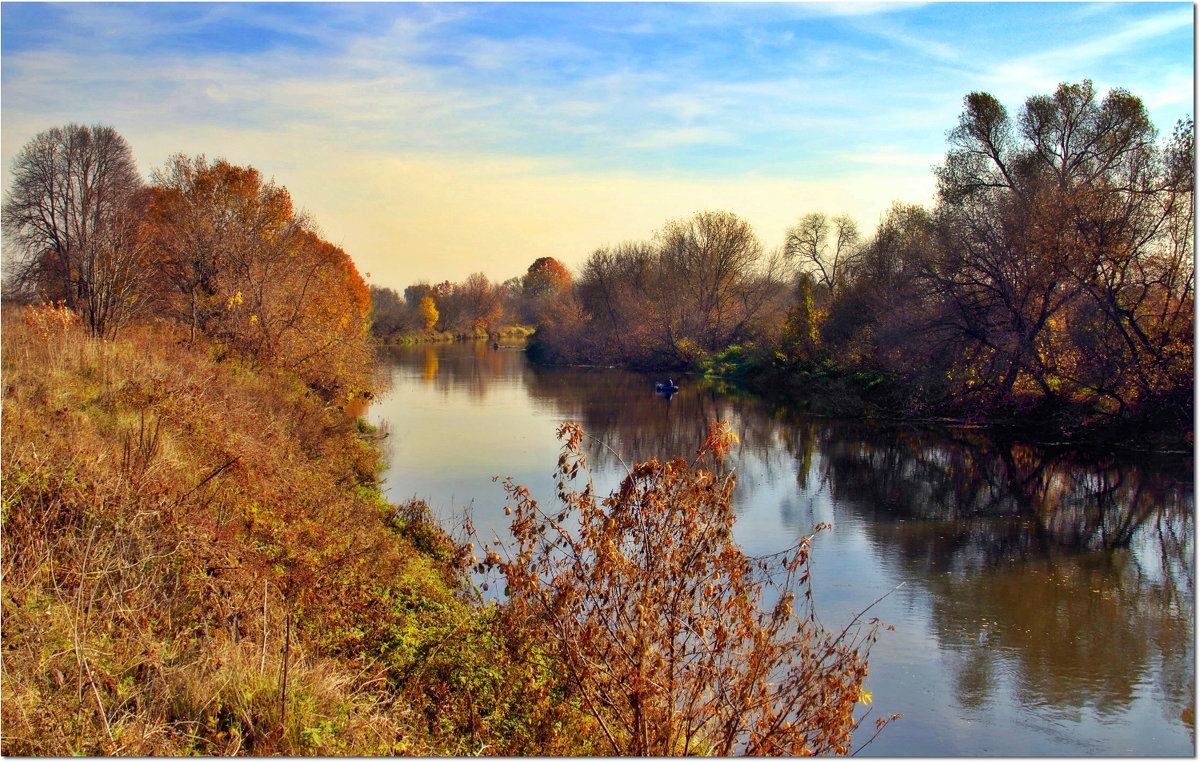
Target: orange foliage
{"x": 250, "y": 272}
{"x": 545, "y": 276}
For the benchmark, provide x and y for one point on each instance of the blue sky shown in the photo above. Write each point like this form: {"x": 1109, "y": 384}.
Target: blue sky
{"x": 434, "y": 140}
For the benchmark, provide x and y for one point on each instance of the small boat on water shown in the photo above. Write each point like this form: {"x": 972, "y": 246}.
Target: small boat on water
{"x": 667, "y": 388}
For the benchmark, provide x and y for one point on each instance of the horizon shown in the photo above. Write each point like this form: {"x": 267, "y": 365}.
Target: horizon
{"x": 431, "y": 141}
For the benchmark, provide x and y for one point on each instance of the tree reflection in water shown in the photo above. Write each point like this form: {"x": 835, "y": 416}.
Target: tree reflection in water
{"x": 1070, "y": 572}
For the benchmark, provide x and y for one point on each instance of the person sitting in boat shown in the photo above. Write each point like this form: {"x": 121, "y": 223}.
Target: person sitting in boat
{"x": 669, "y": 386}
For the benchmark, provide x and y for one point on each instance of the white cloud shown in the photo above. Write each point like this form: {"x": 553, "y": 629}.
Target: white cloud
{"x": 1040, "y": 72}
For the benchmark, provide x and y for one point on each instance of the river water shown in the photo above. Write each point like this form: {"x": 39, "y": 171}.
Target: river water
{"x": 1043, "y": 599}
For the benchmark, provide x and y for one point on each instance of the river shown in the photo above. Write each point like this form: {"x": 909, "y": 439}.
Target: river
{"x": 1043, "y": 599}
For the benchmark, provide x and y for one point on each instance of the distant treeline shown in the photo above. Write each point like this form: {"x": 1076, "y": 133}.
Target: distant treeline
{"x": 1055, "y": 271}
{"x": 476, "y": 307}
{"x": 210, "y": 246}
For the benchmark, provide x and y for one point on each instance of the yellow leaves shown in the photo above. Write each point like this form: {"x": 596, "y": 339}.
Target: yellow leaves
{"x": 864, "y": 696}
{"x": 50, "y": 317}
{"x": 234, "y": 301}
{"x": 429, "y": 312}
{"x": 721, "y": 439}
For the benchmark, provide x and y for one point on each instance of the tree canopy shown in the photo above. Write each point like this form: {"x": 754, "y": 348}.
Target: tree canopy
{"x": 72, "y": 216}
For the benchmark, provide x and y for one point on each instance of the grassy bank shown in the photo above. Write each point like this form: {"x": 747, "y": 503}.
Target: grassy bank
{"x": 196, "y": 560}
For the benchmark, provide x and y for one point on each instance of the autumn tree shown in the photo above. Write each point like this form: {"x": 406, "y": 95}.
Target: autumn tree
{"x": 483, "y": 303}
{"x": 512, "y": 292}
{"x": 1064, "y": 247}
{"x": 315, "y": 315}
{"x": 248, "y": 270}
{"x": 452, "y": 312}
{"x": 415, "y": 293}
{"x": 545, "y": 276}
{"x": 73, "y": 219}
{"x": 712, "y": 280}
{"x": 542, "y": 282}
{"x": 214, "y": 220}
{"x": 389, "y": 313}
{"x": 883, "y": 312}
{"x": 613, "y": 290}
{"x": 702, "y": 284}
{"x": 801, "y": 334}
{"x": 429, "y": 312}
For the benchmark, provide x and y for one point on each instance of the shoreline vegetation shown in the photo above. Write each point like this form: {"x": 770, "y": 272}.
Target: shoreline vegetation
{"x": 1048, "y": 293}
{"x": 198, "y": 561}
{"x": 505, "y": 335}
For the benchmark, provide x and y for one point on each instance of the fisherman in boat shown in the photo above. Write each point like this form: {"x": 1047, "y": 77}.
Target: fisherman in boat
{"x": 668, "y": 388}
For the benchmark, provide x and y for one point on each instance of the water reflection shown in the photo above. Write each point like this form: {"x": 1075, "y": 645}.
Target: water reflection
{"x": 468, "y": 367}
{"x": 1051, "y": 590}
{"x": 1068, "y": 575}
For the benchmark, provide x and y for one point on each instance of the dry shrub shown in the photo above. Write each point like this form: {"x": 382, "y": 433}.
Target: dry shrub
{"x": 659, "y": 619}
{"x": 50, "y": 318}
{"x": 50, "y": 325}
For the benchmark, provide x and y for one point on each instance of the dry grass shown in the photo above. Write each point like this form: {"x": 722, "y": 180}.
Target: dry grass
{"x": 196, "y": 560}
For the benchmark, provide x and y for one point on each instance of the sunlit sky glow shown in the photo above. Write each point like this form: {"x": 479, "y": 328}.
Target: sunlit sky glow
{"x": 436, "y": 140}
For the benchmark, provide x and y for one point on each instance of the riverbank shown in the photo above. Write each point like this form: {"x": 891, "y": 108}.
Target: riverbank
{"x": 508, "y": 334}
{"x": 197, "y": 560}
{"x": 831, "y": 390}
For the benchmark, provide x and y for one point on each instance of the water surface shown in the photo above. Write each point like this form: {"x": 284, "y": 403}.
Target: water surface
{"x": 1043, "y": 599}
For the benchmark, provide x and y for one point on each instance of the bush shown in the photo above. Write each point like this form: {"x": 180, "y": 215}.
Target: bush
{"x": 659, "y": 619}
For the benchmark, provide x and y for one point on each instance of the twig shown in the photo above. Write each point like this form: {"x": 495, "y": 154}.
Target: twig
{"x": 209, "y": 478}
{"x": 287, "y": 648}
{"x": 99, "y": 705}
{"x": 879, "y": 726}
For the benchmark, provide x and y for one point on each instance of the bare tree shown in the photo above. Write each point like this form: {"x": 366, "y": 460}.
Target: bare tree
{"x": 612, "y": 290}
{"x": 70, "y": 225}
{"x": 483, "y": 302}
{"x": 824, "y": 246}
